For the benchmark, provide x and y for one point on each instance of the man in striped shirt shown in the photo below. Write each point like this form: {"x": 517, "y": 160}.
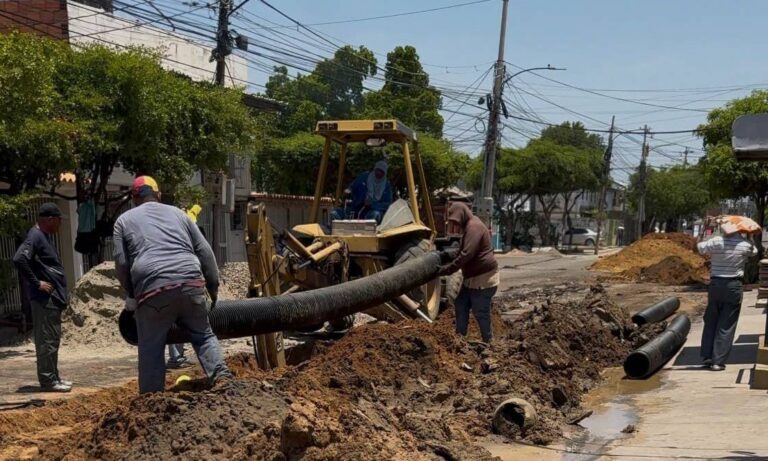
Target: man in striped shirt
{"x": 729, "y": 254}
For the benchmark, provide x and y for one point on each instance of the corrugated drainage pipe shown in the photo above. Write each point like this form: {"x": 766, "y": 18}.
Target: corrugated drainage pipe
{"x": 645, "y": 360}
{"x": 255, "y": 316}
{"x": 657, "y": 312}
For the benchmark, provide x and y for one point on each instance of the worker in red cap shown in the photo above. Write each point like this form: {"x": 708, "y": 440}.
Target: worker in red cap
{"x": 165, "y": 266}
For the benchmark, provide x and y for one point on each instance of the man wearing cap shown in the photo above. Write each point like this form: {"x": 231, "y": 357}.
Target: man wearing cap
{"x": 371, "y": 195}
{"x": 40, "y": 268}
{"x": 729, "y": 254}
{"x": 165, "y": 266}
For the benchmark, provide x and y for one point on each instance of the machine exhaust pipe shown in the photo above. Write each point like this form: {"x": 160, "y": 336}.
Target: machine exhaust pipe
{"x": 256, "y": 316}
{"x": 645, "y": 360}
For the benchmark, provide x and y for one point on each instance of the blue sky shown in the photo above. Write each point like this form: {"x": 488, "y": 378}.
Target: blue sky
{"x": 706, "y": 51}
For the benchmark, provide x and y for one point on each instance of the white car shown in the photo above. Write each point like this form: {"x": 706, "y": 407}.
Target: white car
{"x": 580, "y": 236}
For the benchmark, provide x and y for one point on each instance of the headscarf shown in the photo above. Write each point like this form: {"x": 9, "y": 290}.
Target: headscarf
{"x": 375, "y": 185}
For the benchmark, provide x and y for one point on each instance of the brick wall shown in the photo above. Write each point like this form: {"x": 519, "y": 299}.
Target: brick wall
{"x": 44, "y": 17}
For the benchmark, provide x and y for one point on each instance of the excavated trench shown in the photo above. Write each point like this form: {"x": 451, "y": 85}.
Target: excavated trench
{"x": 405, "y": 391}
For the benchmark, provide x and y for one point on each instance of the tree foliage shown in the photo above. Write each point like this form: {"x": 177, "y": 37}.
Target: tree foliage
{"x": 334, "y": 89}
{"x": 726, "y": 176}
{"x": 407, "y": 94}
{"x": 672, "y": 194}
{"x": 92, "y": 110}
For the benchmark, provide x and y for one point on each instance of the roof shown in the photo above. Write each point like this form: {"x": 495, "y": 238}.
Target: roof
{"x": 262, "y": 103}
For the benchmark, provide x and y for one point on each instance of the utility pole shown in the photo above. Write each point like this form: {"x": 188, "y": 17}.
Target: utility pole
{"x": 685, "y": 157}
{"x": 485, "y": 204}
{"x": 223, "y": 45}
{"x": 641, "y": 182}
{"x": 605, "y": 178}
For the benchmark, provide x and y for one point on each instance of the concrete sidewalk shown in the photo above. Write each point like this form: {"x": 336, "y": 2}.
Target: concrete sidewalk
{"x": 700, "y": 414}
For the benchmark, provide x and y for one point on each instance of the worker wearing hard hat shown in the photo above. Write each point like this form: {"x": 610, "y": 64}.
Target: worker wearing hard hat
{"x": 165, "y": 266}
{"x": 729, "y": 254}
{"x": 479, "y": 267}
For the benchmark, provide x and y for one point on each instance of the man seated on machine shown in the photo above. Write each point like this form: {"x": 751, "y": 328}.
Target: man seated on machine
{"x": 370, "y": 194}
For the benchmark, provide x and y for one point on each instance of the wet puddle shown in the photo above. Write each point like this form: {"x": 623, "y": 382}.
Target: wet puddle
{"x": 614, "y": 416}
{"x": 614, "y": 410}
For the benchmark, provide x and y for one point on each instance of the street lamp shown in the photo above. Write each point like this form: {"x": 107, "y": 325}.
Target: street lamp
{"x": 531, "y": 70}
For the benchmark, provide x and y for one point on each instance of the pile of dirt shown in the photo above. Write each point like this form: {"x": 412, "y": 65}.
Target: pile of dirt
{"x": 405, "y": 391}
{"x": 97, "y": 300}
{"x": 668, "y": 258}
{"x": 94, "y": 307}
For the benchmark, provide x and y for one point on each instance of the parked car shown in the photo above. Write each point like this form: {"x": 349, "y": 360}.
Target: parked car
{"x": 580, "y": 236}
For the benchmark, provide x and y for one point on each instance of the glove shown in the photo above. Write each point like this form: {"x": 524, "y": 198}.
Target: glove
{"x": 130, "y": 304}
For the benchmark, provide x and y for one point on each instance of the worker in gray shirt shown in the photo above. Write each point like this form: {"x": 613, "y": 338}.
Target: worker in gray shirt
{"x": 165, "y": 266}
{"x": 729, "y": 254}
{"x": 42, "y": 273}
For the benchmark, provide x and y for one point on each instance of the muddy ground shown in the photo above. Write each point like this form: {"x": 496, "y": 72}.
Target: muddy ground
{"x": 406, "y": 391}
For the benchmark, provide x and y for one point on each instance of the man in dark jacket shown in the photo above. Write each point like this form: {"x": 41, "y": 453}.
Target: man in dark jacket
{"x": 479, "y": 267}
{"x": 40, "y": 268}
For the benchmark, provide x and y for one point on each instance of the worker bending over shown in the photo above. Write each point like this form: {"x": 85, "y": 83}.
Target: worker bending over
{"x": 479, "y": 266}
{"x": 729, "y": 254}
{"x": 165, "y": 265}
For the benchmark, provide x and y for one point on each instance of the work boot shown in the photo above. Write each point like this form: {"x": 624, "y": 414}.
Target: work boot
{"x": 56, "y": 387}
{"x": 178, "y": 364}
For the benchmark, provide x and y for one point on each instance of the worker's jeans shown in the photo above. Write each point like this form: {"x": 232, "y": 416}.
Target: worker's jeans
{"x": 188, "y": 307}
{"x": 46, "y": 322}
{"x": 720, "y": 318}
{"x": 176, "y": 354}
{"x": 479, "y": 302}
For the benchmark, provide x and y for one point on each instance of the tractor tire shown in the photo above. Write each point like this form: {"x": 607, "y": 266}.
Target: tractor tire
{"x": 430, "y": 304}
{"x": 451, "y": 287}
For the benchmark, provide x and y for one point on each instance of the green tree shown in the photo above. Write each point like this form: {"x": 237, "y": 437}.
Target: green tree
{"x": 406, "y": 94}
{"x": 334, "y": 89}
{"x": 726, "y": 176}
{"x": 672, "y": 194}
{"x": 93, "y": 110}
{"x": 36, "y": 138}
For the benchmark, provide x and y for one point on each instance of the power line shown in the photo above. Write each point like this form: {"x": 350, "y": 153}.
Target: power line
{"x": 387, "y": 16}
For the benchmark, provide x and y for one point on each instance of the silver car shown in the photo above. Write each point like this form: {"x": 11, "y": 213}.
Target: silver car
{"x": 580, "y": 236}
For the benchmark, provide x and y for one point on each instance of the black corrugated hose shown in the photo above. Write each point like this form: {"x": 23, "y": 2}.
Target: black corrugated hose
{"x": 645, "y": 360}
{"x": 255, "y": 316}
{"x": 657, "y": 312}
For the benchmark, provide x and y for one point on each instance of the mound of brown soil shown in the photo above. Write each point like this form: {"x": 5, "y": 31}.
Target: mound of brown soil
{"x": 407, "y": 391}
{"x": 659, "y": 258}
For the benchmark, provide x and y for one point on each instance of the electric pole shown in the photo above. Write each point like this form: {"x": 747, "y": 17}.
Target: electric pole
{"x": 605, "y": 178}
{"x": 223, "y": 45}
{"x": 685, "y": 157}
{"x": 642, "y": 176}
{"x": 485, "y": 204}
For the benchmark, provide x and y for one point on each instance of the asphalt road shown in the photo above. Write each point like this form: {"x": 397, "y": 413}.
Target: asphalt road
{"x": 544, "y": 269}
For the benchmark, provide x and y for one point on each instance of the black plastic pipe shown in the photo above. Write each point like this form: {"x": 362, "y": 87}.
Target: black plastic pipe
{"x": 657, "y": 312}
{"x": 255, "y": 316}
{"x": 645, "y": 360}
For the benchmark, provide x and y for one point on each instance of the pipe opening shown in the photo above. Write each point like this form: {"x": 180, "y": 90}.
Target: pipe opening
{"x": 637, "y": 365}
